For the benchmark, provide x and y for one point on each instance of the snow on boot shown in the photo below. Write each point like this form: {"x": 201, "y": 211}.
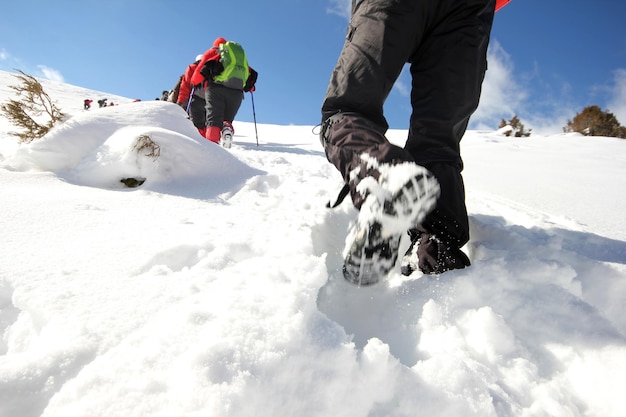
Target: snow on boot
{"x": 227, "y": 135}
{"x": 371, "y": 255}
{"x": 401, "y": 197}
{"x": 410, "y": 260}
{"x": 432, "y": 255}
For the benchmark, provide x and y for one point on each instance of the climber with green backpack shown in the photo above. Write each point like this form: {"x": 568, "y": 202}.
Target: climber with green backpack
{"x": 224, "y": 74}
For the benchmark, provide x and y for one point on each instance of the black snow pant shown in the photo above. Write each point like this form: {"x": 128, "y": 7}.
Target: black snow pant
{"x": 445, "y": 42}
{"x": 197, "y": 110}
{"x": 222, "y": 103}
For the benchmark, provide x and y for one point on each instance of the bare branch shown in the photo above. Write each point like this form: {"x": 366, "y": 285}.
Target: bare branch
{"x": 33, "y": 104}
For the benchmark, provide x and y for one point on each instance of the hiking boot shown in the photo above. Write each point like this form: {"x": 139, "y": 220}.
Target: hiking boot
{"x": 431, "y": 255}
{"x": 371, "y": 256}
{"x": 401, "y": 197}
{"x": 227, "y": 135}
{"x": 410, "y": 260}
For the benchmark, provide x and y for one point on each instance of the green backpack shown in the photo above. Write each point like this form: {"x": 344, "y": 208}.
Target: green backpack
{"x": 233, "y": 58}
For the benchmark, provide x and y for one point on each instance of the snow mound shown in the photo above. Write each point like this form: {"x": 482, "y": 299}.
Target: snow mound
{"x": 155, "y": 141}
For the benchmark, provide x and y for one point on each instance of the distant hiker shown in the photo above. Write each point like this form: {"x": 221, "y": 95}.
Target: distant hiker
{"x": 225, "y": 74}
{"x": 164, "y": 95}
{"x": 102, "y": 102}
{"x": 87, "y": 104}
{"x": 191, "y": 98}
{"x": 173, "y": 97}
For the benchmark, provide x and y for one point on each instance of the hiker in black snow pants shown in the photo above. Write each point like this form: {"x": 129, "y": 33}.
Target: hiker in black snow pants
{"x": 417, "y": 188}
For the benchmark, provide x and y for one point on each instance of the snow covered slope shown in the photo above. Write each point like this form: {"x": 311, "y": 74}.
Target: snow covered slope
{"x": 214, "y": 288}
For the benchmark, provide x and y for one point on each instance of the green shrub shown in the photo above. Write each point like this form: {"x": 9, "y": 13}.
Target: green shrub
{"x": 518, "y": 128}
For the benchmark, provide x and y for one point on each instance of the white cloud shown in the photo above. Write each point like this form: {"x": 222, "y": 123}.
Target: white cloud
{"x": 617, "y": 103}
{"x": 10, "y": 63}
{"x": 542, "y": 106}
{"x": 501, "y": 93}
{"x": 506, "y": 94}
{"x": 342, "y": 8}
{"x": 50, "y": 73}
{"x": 402, "y": 85}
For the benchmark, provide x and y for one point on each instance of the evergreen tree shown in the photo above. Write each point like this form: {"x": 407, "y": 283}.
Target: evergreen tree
{"x": 593, "y": 121}
{"x": 518, "y": 128}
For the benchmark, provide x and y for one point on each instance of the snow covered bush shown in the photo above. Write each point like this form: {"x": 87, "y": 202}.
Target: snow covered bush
{"x": 517, "y": 129}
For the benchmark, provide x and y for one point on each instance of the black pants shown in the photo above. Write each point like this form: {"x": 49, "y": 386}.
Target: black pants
{"x": 445, "y": 42}
{"x": 222, "y": 103}
{"x": 197, "y": 111}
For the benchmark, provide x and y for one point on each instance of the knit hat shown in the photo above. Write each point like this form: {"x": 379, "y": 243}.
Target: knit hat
{"x": 219, "y": 41}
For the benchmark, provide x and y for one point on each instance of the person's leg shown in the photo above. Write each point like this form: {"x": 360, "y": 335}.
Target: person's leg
{"x": 233, "y": 103}
{"x": 197, "y": 111}
{"x": 382, "y": 35}
{"x": 215, "y": 106}
{"x": 448, "y": 70}
{"x": 391, "y": 192}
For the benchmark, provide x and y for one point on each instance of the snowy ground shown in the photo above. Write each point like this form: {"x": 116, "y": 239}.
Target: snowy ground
{"x": 214, "y": 288}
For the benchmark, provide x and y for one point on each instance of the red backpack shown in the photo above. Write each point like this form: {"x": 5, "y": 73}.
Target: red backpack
{"x": 501, "y": 3}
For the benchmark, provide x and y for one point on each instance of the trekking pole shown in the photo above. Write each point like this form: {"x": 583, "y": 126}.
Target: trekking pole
{"x": 193, "y": 89}
{"x": 254, "y": 116}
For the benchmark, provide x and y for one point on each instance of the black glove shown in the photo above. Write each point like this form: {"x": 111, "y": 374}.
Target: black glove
{"x": 436, "y": 256}
{"x": 251, "y": 81}
{"x": 211, "y": 69}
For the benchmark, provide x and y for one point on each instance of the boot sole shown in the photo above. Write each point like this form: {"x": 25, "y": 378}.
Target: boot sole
{"x": 374, "y": 251}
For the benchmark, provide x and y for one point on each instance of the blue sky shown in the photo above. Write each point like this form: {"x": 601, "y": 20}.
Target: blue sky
{"x": 548, "y": 58}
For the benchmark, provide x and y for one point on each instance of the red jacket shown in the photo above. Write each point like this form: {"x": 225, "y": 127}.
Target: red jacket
{"x": 501, "y": 3}
{"x": 185, "y": 84}
{"x": 210, "y": 55}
